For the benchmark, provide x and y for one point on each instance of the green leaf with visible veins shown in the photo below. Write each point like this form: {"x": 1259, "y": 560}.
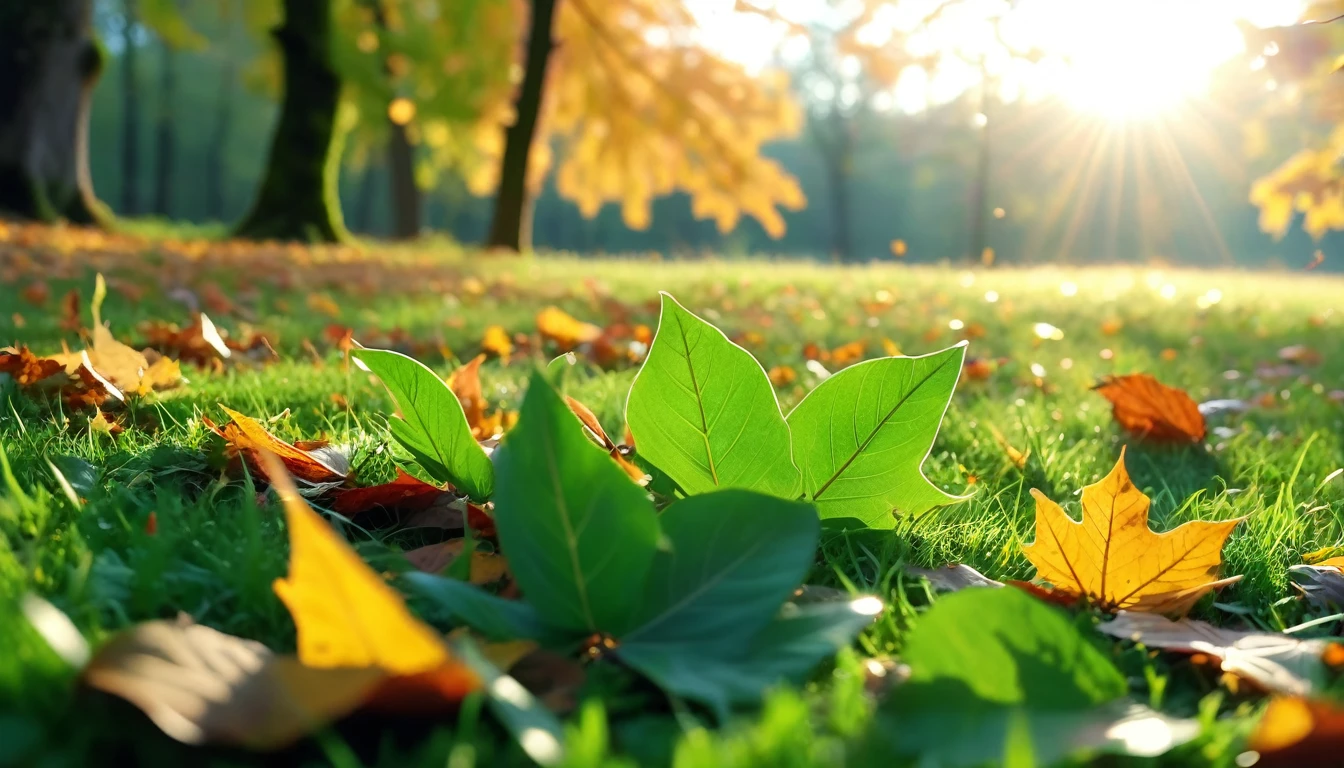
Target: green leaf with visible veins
{"x": 703, "y": 411}
{"x": 432, "y": 426}
{"x": 786, "y": 650}
{"x": 861, "y": 436}
{"x": 732, "y": 558}
{"x": 579, "y": 534}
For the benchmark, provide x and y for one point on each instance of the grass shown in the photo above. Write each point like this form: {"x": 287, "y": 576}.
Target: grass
{"x": 219, "y": 544}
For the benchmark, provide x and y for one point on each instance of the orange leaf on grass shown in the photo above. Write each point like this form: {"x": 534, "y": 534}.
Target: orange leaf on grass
{"x": 246, "y": 437}
{"x": 496, "y": 342}
{"x": 1114, "y": 559}
{"x": 846, "y": 354}
{"x": 26, "y": 367}
{"x": 594, "y": 427}
{"x": 567, "y": 332}
{"x": 1150, "y": 409}
{"x": 198, "y": 343}
{"x": 347, "y": 616}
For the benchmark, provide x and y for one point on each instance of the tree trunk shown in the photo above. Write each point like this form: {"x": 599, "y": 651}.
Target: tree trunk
{"x": 405, "y": 193}
{"x": 364, "y": 202}
{"x": 406, "y": 204}
{"x": 130, "y": 114}
{"x": 298, "y": 199}
{"x": 511, "y": 225}
{"x": 215, "y": 201}
{"x": 50, "y": 60}
{"x": 163, "y": 135}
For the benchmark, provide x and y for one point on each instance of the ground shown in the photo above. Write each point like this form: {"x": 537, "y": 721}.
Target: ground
{"x": 217, "y": 544}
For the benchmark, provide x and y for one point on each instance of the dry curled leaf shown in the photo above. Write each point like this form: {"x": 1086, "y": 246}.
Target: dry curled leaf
{"x": 1273, "y": 662}
{"x": 199, "y": 343}
{"x": 202, "y": 686}
{"x": 246, "y": 437}
{"x": 1114, "y": 559}
{"x": 465, "y": 383}
{"x": 1322, "y": 583}
{"x": 1145, "y": 407}
{"x": 953, "y": 577}
{"x": 594, "y": 428}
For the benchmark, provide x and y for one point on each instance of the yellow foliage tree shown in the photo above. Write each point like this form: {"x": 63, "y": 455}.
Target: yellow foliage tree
{"x": 637, "y": 107}
{"x": 1311, "y": 182}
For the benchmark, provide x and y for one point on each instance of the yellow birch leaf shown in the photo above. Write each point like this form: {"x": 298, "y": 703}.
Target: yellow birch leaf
{"x": 1116, "y": 561}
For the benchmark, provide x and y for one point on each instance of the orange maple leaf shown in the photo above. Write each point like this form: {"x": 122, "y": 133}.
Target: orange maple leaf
{"x": 1148, "y": 408}
{"x": 1115, "y": 560}
{"x": 246, "y": 437}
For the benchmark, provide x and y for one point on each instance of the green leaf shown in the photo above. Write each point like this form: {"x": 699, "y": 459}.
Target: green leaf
{"x": 702, "y": 410}
{"x": 786, "y": 650}
{"x": 579, "y": 535}
{"x": 732, "y": 558}
{"x": 981, "y": 661}
{"x": 861, "y": 436}
{"x": 432, "y": 426}
{"x": 492, "y": 616}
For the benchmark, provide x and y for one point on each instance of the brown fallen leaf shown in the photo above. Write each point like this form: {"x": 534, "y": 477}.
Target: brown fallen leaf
{"x": 1273, "y": 662}
{"x": 1296, "y": 732}
{"x": 1018, "y": 458}
{"x": 465, "y": 383}
{"x": 1300, "y": 354}
{"x": 1112, "y": 558}
{"x": 594, "y": 428}
{"x": 782, "y": 376}
{"x": 486, "y": 567}
{"x": 27, "y": 368}
{"x": 247, "y": 438}
{"x": 848, "y": 354}
{"x": 202, "y": 686}
{"x": 566, "y": 332}
{"x": 1145, "y": 407}
{"x": 199, "y": 343}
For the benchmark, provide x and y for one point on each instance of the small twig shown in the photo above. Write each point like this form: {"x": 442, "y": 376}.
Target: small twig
{"x": 1322, "y": 21}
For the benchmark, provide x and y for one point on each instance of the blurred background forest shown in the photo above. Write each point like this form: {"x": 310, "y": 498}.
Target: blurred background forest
{"x": 1182, "y": 131}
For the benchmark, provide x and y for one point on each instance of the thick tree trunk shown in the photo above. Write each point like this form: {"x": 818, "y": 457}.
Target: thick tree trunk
{"x": 298, "y": 197}
{"x": 49, "y": 60}
{"x": 130, "y": 114}
{"x": 406, "y": 203}
{"x": 215, "y": 201}
{"x": 164, "y": 138}
{"x": 364, "y": 202}
{"x": 511, "y": 225}
{"x": 405, "y": 193}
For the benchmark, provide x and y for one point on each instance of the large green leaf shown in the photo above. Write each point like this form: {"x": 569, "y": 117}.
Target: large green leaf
{"x": 786, "y": 650}
{"x": 703, "y": 411}
{"x": 990, "y": 668}
{"x": 861, "y": 436}
{"x": 432, "y": 426}
{"x": 579, "y": 535}
{"x": 732, "y": 558}
{"x": 492, "y": 616}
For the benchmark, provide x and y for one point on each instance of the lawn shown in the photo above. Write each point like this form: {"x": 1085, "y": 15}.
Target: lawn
{"x": 218, "y": 540}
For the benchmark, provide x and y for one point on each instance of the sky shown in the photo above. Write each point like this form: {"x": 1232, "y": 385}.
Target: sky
{"x": 1117, "y": 58}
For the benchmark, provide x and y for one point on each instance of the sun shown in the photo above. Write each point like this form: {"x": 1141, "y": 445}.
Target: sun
{"x": 1137, "y": 59}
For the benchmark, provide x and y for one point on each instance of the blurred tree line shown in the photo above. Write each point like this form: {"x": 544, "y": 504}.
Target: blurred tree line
{"x": 609, "y": 126}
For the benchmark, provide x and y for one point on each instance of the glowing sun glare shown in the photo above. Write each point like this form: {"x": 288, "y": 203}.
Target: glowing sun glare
{"x": 1126, "y": 59}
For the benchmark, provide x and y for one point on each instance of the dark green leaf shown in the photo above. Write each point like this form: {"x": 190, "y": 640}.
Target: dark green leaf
{"x": 861, "y": 436}
{"x": 494, "y": 617}
{"x": 732, "y": 558}
{"x": 785, "y": 651}
{"x": 433, "y": 426}
{"x": 579, "y": 535}
{"x": 703, "y": 410}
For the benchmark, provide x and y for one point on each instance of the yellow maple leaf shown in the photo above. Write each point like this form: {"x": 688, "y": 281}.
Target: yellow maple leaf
{"x": 345, "y": 614}
{"x": 1116, "y": 561}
